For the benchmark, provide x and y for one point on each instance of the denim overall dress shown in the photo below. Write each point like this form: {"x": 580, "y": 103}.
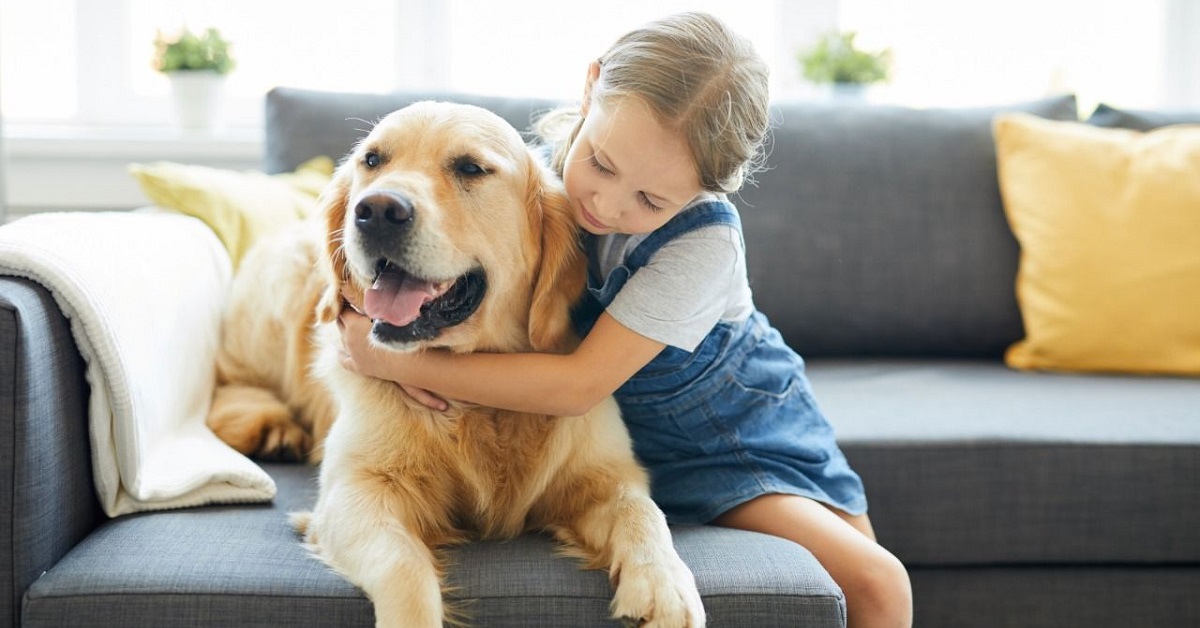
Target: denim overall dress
{"x": 730, "y": 421}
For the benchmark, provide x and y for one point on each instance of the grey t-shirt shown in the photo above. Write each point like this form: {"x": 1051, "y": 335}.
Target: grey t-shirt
{"x": 694, "y": 281}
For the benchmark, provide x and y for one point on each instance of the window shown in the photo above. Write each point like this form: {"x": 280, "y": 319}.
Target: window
{"x": 950, "y": 53}
{"x": 88, "y": 63}
{"x": 80, "y": 99}
{"x": 547, "y": 44}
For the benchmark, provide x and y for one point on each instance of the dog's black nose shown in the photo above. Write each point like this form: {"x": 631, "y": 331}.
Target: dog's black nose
{"x": 383, "y": 210}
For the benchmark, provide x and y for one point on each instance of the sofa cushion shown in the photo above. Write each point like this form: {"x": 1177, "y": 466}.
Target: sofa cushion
{"x": 243, "y": 565}
{"x": 1140, "y": 119}
{"x": 878, "y": 230}
{"x": 1056, "y": 596}
{"x": 240, "y": 207}
{"x": 302, "y": 124}
{"x": 1109, "y": 226}
{"x": 971, "y": 463}
{"x": 887, "y": 219}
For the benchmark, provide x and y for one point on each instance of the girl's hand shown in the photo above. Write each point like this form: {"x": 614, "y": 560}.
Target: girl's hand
{"x": 359, "y": 356}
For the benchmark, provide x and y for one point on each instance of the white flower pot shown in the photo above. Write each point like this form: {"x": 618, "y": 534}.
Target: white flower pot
{"x": 199, "y": 98}
{"x": 848, "y": 93}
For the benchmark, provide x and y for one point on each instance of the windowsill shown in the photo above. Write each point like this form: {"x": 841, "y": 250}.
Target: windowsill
{"x": 41, "y": 141}
{"x": 67, "y": 168}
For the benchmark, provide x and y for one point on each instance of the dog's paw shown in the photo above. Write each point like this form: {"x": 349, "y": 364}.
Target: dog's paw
{"x": 300, "y": 521}
{"x": 659, "y": 595}
{"x": 256, "y": 423}
{"x": 284, "y": 441}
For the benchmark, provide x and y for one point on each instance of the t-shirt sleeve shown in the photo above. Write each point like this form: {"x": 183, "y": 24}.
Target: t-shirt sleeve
{"x": 681, "y": 293}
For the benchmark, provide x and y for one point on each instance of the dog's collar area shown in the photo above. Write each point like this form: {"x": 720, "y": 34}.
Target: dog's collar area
{"x": 452, "y": 307}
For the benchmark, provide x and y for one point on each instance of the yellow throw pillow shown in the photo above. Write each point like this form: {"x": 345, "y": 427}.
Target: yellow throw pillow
{"x": 1109, "y": 226}
{"x": 239, "y": 206}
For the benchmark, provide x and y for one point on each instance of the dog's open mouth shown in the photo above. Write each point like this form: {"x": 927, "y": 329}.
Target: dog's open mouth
{"x": 407, "y": 308}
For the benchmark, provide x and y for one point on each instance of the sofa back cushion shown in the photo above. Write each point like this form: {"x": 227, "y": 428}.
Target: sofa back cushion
{"x": 875, "y": 230}
{"x": 302, "y": 124}
{"x": 879, "y": 230}
{"x": 1141, "y": 119}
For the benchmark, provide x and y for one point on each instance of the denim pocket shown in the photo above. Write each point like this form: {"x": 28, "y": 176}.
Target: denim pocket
{"x": 771, "y": 368}
{"x": 671, "y": 436}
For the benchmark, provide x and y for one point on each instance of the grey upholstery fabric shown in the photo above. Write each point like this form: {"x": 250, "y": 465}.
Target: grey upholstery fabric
{"x": 1146, "y": 596}
{"x": 46, "y": 496}
{"x": 1140, "y": 120}
{"x": 243, "y": 565}
{"x": 302, "y": 124}
{"x": 971, "y": 463}
{"x": 880, "y": 231}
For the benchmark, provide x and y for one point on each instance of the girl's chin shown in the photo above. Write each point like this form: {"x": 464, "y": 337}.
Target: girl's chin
{"x": 594, "y": 230}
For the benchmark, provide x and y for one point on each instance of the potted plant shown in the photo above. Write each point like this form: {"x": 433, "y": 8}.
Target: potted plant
{"x": 196, "y": 66}
{"x": 837, "y": 61}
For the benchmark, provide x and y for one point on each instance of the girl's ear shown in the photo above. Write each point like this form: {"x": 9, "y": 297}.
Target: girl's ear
{"x": 332, "y": 206}
{"x": 562, "y": 272}
{"x": 592, "y": 76}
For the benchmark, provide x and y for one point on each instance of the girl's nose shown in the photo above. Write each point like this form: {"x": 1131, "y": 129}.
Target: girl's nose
{"x": 606, "y": 210}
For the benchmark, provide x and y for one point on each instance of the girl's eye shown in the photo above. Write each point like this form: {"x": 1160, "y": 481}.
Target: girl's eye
{"x": 598, "y": 166}
{"x": 372, "y": 160}
{"x": 649, "y": 205}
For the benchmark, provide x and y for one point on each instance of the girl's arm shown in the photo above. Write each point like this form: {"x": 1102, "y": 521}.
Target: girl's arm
{"x": 540, "y": 383}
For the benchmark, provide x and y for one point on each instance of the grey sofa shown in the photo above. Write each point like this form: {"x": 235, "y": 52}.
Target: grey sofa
{"x": 878, "y": 246}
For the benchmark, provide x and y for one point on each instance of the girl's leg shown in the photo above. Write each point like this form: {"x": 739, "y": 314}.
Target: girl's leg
{"x": 876, "y": 585}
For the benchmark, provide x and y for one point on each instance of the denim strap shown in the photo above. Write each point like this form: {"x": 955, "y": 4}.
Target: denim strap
{"x": 713, "y": 212}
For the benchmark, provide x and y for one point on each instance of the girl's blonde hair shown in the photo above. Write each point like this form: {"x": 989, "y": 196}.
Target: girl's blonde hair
{"x": 697, "y": 76}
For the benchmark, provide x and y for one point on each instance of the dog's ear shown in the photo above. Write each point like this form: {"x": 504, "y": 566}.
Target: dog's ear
{"x": 562, "y": 271}
{"x": 332, "y": 207}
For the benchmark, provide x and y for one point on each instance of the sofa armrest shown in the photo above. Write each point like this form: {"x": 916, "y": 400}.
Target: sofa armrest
{"x": 47, "y": 499}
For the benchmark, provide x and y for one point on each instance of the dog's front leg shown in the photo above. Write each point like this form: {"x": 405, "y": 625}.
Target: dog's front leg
{"x": 652, "y": 583}
{"x": 390, "y": 563}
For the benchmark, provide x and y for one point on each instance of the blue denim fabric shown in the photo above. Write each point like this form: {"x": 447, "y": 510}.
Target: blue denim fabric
{"x": 730, "y": 421}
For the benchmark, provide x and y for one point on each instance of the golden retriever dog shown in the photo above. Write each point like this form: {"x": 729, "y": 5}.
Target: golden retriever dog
{"x": 269, "y": 402}
{"x": 444, "y": 228}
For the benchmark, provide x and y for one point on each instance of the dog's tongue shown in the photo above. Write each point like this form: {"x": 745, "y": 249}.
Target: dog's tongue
{"x": 397, "y": 297}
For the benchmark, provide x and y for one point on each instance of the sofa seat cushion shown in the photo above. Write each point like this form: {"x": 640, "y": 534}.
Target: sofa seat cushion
{"x": 972, "y": 463}
{"x": 1056, "y": 596}
{"x": 243, "y": 565}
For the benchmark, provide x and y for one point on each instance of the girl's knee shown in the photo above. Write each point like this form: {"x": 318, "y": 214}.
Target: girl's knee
{"x": 881, "y": 591}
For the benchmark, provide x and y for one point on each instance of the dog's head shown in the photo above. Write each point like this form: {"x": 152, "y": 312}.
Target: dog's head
{"x": 446, "y": 231}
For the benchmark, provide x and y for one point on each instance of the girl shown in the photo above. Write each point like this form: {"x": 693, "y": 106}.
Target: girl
{"x": 673, "y": 117}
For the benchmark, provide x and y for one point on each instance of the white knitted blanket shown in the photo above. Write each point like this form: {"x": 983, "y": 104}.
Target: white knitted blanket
{"x": 143, "y": 292}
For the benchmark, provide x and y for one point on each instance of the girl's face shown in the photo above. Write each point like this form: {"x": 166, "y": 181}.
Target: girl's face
{"x": 626, "y": 172}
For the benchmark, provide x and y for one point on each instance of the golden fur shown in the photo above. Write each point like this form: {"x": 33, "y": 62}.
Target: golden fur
{"x": 399, "y": 480}
{"x": 269, "y": 403}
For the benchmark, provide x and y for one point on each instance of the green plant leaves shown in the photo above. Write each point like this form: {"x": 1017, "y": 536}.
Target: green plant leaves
{"x": 836, "y": 59}
{"x": 189, "y": 51}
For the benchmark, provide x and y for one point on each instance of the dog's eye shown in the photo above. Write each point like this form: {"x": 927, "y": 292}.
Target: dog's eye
{"x": 468, "y": 167}
{"x": 372, "y": 160}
